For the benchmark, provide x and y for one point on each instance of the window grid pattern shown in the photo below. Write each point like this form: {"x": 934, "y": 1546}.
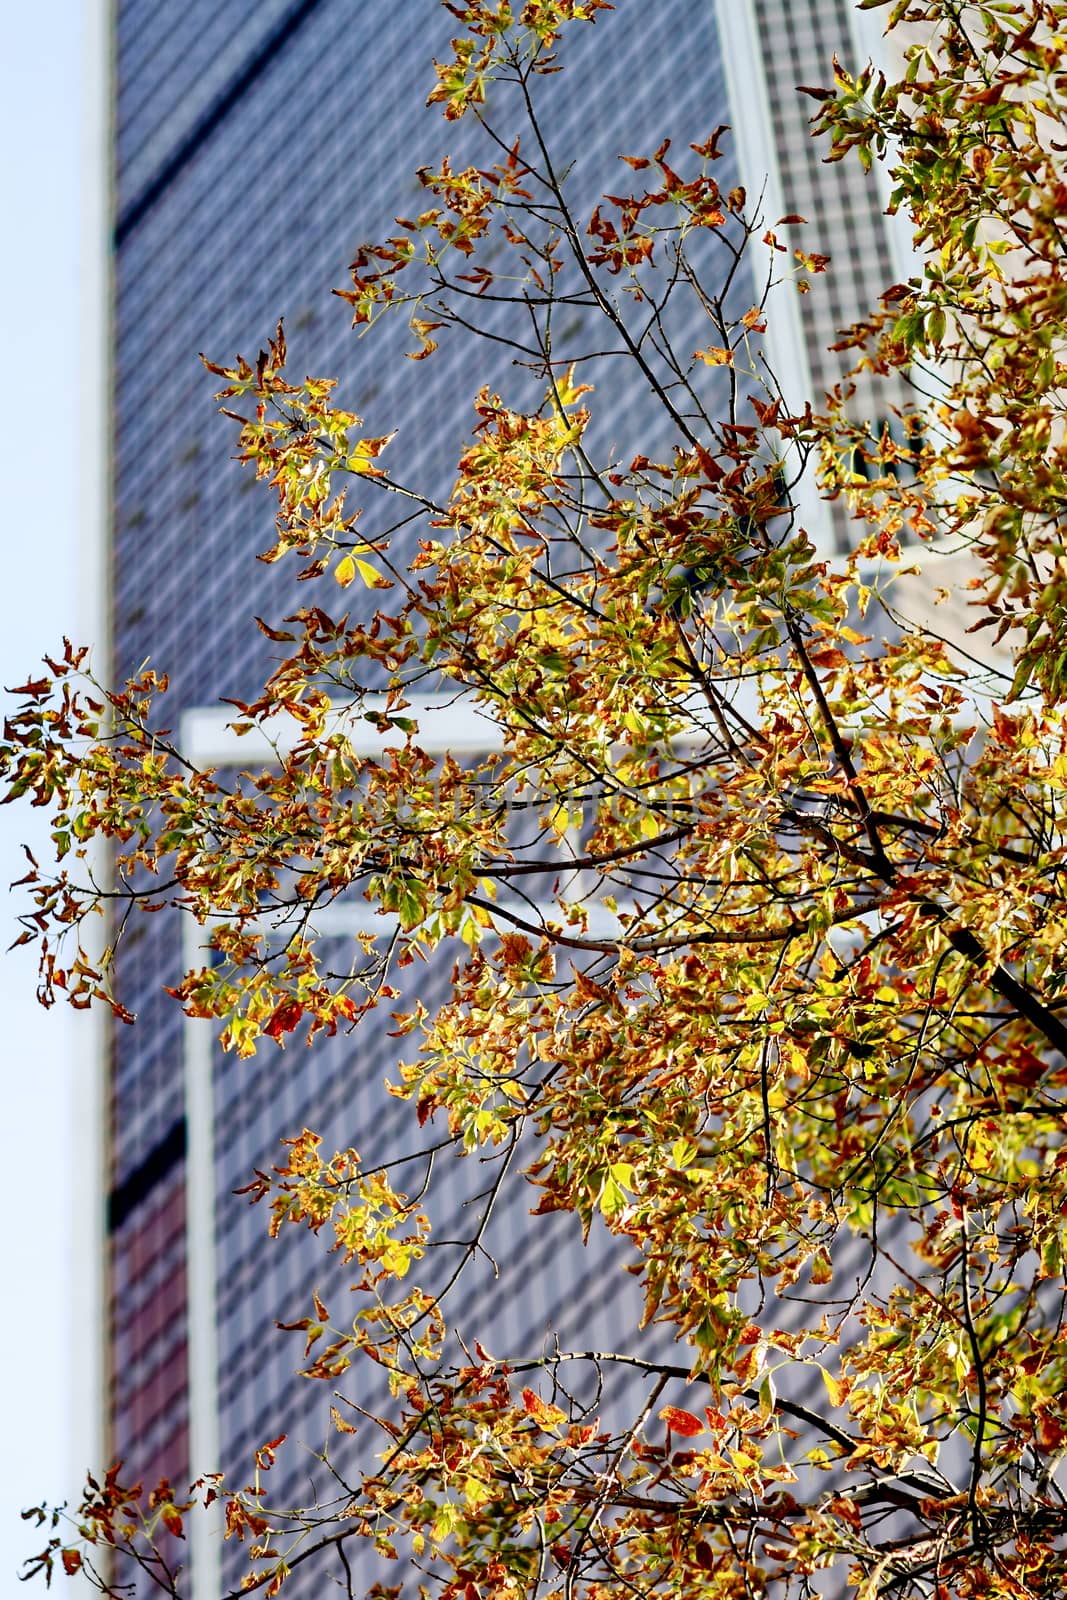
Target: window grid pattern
{"x": 171, "y": 66}
{"x": 148, "y": 1373}
{"x": 842, "y": 205}
{"x": 260, "y": 220}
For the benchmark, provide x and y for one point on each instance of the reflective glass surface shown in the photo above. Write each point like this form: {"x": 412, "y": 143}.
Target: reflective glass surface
{"x": 257, "y": 145}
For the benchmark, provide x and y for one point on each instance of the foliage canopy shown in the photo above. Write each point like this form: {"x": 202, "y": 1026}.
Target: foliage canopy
{"x": 783, "y": 965}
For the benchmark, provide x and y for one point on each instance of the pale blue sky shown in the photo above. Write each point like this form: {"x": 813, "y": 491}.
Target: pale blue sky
{"x": 41, "y": 596}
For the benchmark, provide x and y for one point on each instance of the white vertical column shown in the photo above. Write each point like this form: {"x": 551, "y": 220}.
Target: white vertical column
{"x": 87, "y": 1439}
{"x": 198, "y": 1038}
{"x": 757, "y": 160}
{"x": 870, "y": 43}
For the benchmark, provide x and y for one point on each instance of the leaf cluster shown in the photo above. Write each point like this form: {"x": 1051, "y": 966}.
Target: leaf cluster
{"x": 757, "y": 887}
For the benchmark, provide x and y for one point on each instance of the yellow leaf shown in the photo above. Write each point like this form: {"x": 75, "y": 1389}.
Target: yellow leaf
{"x": 836, "y": 1388}
{"x": 370, "y": 575}
{"x": 345, "y": 571}
{"x": 683, "y": 1152}
{"x": 362, "y": 457}
{"x": 715, "y": 356}
{"x": 475, "y": 1493}
{"x": 568, "y": 391}
{"x": 821, "y": 1269}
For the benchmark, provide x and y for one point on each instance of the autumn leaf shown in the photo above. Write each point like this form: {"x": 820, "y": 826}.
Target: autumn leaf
{"x": 284, "y": 1019}
{"x": 710, "y": 930}
{"x": 714, "y": 356}
{"x": 545, "y": 1415}
{"x": 683, "y": 1422}
{"x": 567, "y": 391}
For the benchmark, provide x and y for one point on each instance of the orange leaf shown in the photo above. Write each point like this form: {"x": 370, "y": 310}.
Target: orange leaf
{"x": 545, "y": 1415}
{"x": 715, "y": 356}
{"x": 172, "y": 1519}
{"x": 682, "y": 1422}
{"x": 828, "y": 657}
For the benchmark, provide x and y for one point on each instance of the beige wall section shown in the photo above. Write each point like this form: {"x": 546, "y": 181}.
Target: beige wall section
{"x": 937, "y": 598}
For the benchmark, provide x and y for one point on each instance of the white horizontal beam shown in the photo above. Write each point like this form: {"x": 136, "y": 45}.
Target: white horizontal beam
{"x": 451, "y": 722}
{"x": 347, "y": 918}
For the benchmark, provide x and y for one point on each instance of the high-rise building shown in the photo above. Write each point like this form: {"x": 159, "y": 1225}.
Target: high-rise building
{"x": 256, "y": 146}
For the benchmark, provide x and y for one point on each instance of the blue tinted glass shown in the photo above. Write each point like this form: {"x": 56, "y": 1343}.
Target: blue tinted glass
{"x": 246, "y": 180}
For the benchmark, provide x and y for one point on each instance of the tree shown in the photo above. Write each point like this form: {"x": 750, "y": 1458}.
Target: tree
{"x": 821, "y": 997}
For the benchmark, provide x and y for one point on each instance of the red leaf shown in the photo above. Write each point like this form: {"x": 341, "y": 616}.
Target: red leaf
{"x": 704, "y": 1557}
{"x": 284, "y": 1019}
{"x": 682, "y": 1422}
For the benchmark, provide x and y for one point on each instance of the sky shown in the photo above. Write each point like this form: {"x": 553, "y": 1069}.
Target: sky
{"x": 48, "y": 195}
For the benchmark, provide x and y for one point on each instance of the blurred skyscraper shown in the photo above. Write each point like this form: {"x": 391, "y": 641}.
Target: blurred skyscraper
{"x": 257, "y": 143}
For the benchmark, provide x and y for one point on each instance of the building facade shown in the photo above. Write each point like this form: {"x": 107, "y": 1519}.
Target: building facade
{"x": 257, "y": 144}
